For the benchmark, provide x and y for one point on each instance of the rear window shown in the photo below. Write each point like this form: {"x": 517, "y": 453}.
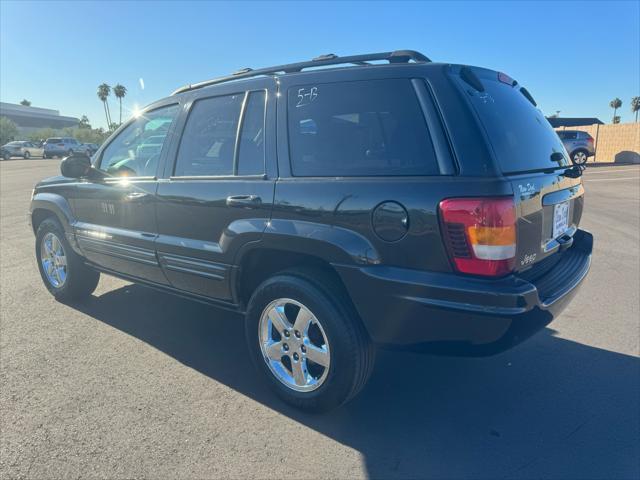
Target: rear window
{"x": 365, "y": 128}
{"x": 521, "y": 137}
{"x": 568, "y": 135}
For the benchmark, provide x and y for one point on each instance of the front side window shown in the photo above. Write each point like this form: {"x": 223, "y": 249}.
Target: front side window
{"x": 364, "y": 128}
{"x": 208, "y": 142}
{"x": 135, "y": 152}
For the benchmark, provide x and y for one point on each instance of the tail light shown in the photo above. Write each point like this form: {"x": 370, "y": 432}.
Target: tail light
{"x": 480, "y": 234}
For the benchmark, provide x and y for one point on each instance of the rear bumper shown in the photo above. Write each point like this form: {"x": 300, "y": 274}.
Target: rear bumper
{"x": 458, "y": 315}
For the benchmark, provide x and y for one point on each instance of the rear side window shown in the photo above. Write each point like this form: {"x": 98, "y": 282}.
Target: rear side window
{"x": 54, "y": 140}
{"x": 251, "y": 145}
{"x": 208, "y": 142}
{"x": 569, "y": 135}
{"x": 521, "y": 137}
{"x": 364, "y": 128}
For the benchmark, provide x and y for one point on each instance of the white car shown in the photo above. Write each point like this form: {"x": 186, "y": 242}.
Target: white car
{"x": 22, "y": 148}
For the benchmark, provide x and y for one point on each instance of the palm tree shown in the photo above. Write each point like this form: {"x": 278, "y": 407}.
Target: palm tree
{"x": 616, "y": 103}
{"x": 84, "y": 122}
{"x": 120, "y": 91}
{"x": 103, "y": 94}
{"x": 635, "y": 106}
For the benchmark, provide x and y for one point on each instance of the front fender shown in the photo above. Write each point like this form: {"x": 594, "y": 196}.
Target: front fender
{"x": 58, "y": 206}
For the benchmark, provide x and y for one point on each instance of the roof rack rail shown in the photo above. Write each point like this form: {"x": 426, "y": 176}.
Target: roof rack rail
{"x": 398, "y": 56}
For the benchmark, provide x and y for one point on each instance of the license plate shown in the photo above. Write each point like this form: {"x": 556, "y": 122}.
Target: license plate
{"x": 560, "y": 218}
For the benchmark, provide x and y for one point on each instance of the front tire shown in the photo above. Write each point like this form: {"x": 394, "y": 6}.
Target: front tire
{"x": 307, "y": 340}
{"x": 6, "y": 156}
{"x": 62, "y": 270}
{"x": 26, "y": 155}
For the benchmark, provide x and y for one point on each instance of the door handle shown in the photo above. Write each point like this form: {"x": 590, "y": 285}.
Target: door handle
{"x": 135, "y": 195}
{"x": 247, "y": 201}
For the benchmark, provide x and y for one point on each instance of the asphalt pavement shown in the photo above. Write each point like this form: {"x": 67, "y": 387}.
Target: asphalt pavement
{"x": 135, "y": 383}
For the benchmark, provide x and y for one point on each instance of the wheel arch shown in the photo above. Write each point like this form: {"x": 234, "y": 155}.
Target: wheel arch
{"x": 261, "y": 263}
{"x": 579, "y": 149}
{"x": 47, "y": 205}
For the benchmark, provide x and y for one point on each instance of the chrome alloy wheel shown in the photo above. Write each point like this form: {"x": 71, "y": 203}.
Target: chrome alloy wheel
{"x": 294, "y": 345}
{"x": 579, "y": 158}
{"x": 54, "y": 260}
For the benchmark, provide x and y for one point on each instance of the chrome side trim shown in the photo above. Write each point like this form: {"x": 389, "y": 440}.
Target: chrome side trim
{"x": 119, "y": 250}
{"x": 193, "y": 266}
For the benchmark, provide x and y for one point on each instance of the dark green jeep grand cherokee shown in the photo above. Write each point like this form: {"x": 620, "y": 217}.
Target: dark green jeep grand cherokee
{"x": 383, "y": 200}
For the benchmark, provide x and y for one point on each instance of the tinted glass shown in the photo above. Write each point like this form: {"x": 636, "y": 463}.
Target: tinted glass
{"x": 521, "y": 137}
{"x": 208, "y": 141}
{"x": 570, "y": 135}
{"x": 135, "y": 152}
{"x": 251, "y": 147}
{"x": 53, "y": 140}
{"x": 358, "y": 129}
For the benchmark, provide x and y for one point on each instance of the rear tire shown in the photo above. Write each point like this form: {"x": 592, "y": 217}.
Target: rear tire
{"x": 579, "y": 157}
{"x": 6, "y": 156}
{"x": 64, "y": 273}
{"x": 346, "y": 348}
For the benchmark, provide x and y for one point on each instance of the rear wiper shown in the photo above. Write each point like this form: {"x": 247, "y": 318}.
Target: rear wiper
{"x": 571, "y": 172}
{"x": 574, "y": 172}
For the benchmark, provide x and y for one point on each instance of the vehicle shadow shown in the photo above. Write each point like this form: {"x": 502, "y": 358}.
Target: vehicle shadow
{"x": 548, "y": 408}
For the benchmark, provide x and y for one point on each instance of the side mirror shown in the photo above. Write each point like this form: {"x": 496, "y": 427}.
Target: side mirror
{"x": 76, "y": 166}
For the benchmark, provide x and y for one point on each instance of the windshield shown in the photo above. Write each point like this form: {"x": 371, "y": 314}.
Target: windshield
{"x": 521, "y": 137}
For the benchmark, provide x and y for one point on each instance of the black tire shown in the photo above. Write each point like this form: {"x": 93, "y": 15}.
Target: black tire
{"x": 26, "y": 155}
{"x": 70, "y": 153}
{"x": 80, "y": 280}
{"x": 6, "y": 156}
{"x": 352, "y": 353}
{"x": 579, "y": 157}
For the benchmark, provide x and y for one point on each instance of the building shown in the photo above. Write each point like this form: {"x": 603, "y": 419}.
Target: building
{"x": 573, "y": 121}
{"x": 30, "y": 119}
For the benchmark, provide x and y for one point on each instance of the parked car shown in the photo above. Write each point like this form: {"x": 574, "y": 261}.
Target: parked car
{"x": 91, "y": 148}
{"x": 412, "y": 205}
{"x": 21, "y": 148}
{"x": 63, "y": 146}
{"x": 580, "y": 145}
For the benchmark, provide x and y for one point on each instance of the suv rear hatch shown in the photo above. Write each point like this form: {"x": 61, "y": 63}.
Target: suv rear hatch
{"x": 53, "y": 144}
{"x": 548, "y": 197}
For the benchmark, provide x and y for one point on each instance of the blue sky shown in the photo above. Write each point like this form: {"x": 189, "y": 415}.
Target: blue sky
{"x": 573, "y": 56}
